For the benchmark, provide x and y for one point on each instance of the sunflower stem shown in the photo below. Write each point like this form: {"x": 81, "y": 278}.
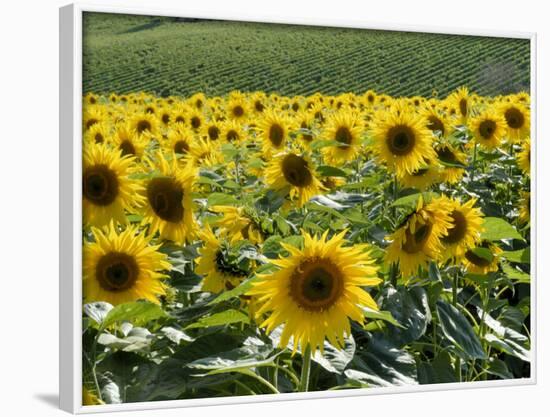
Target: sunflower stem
{"x": 455, "y": 288}
{"x": 474, "y": 162}
{"x": 306, "y": 365}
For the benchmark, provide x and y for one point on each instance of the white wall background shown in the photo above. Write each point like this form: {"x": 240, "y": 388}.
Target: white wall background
{"x": 29, "y": 207}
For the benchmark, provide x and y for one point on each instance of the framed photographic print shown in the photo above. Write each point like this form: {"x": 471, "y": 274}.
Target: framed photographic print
{"x": 270, "y": 210}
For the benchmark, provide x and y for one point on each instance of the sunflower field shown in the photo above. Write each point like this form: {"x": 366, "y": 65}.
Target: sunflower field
{"x": 255, "y": 243}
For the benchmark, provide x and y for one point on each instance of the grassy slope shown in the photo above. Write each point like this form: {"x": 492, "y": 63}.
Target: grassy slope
{"x": 167, "y": 56}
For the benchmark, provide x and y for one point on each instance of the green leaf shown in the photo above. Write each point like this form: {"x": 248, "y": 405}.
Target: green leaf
{"x": 483, "y": 253}
{"x": 412, "y": 199}
{"x": 498, "y": 229}
{"x": 334, "y": 359}
{"x": 221, "y": 199}
{"x": 381, "y": 315}
{"x": 318, "y": 144}
{"x": 220, "y": 319}
{"x": 515, "y": 274}
{"x": 137, "y": 313}
{"x": 438, "y": 371}
{"x": 459, "y": 331}
{"x": 330, "y": 171}
{"x": 235, "y": 292}
{"x": 518, "y": 256}
{"x": 380, "y": 363}
{"x": 499, "y": 368}
{"x": 409, "y": 306}
{"x": 97, "y": 311}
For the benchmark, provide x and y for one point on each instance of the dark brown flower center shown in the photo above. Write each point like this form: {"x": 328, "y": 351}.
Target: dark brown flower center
{"x": 343, "y": 136}
{"x": 446, "y": 154}
{"x": 99, "y": 185}
{"x": 91, "y": 122}
{"x": 165, "y": 196}
{"x": 463, "y": 104}
{"x": 477, "y": 260}
{"x": 127, "y": 148}
{"x": 99, "y": 138}
{"x": 296, "y": 171}
{"x": 117, "y": 271}
{"x": 458, "y": 230}
{"x": 181, "y": 147}
{"x": 276, "y": 134}
{"x": 143, "y": 126}
{"x": 165, "y": 118}
{"x": 196, "y": 122}
{"x": 514, "y": 118}
{"x": 258, "y": 105}
{"x": 238, "y": 111}
{"x": 232, "y": 135}
{"x": 487, "y": 128}
{"x": 316, "y": 284}
{"x": 213, "y": 132}
{"x": 435, "y": 124}
{"x": 414, "y": 242}
{"x": 400, "y": 140}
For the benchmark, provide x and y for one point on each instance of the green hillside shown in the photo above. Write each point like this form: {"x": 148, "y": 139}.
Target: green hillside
{"x": 169, "y": 56}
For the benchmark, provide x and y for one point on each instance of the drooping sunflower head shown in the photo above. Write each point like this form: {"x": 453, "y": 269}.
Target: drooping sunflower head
{"x": 274, "y": 130}
{"x": 239, "y": 223}
{"x": 488, "y": 128}
{"x": 453, "y": 162}
{"x": 346, "y": 129}
{"x": 316, "y": 290}
{"x": 524, "y": 157}
{"x": 518, "y": 120}
{"x": 460, "y": 102}
{"x": 482, "y": 259}
{"x": 122, "y": 266}
{"x": 222, "y": 269}
{"x": 169, "y": 203}
{"x": 423, "y": 177}
{"x": 466, "y": 228}
{"x": 437, "y": 121}
{"x": 401, "y": 140}
{"x": 418, "y": 240}
{"x": 108, "y": 192}
{"x": 294, "y": 173}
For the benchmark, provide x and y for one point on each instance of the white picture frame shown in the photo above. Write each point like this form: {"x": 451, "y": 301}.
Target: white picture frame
{"x": 70, "y": 261}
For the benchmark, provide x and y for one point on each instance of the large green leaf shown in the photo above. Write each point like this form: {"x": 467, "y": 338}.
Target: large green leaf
{"x": 220, "y": 319}
{"x": 518, "y": 256}
{"x": 411, "y": 200}
{"x": 97, "y": 311}
{"x": 221, "y": 199}
{"x": 496, "y": 228}
{"x": 438, "y": 371}
{"x": 334, "y": 359}
{"x": 378, "y": 362}
{"x": 458, "y": 330}
{"x": 137, "y": 313}
{"x": 330, "y": 171}
{"x": 409, "y": 306}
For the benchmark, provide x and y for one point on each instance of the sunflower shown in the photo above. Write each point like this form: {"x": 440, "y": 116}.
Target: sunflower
{"x": 107, "y": 190}
{"x": 437, "y": 122}
{"x": 91, "y": 98}
{"x": 402, "y": 141}
{"x": 211, "y": 130}
{"x": 198, "y": 100}
{"x": 92, "y": 115}
{"x": 232, "y": 132}
{"x": 169, "y": 208}
{"x": 316, "y": 290}
{"x": 288, "y": 171}
{"x": 525, "y": 208}
{"x": 237, "y": 108}
{"x": 482, "y": 259}
{"x": 305, "y": 121}
{"x": 518, "y": 120}
{"x": 239, "y": 223}
{"x": 422, "y": 178}
{"x": 98, "y": 133}
{"x": 453, "y": 161}
{"x": 346, "y": 128}
{"x": 460, "y": 102}
{"x": 466, "y": 228}
{"x": 418, "y": 240}
{"x": 121, "y": 267}
{"x": 524, "y": 157}
{"x": 195, "y": 120}
{"x": 488, "y": 128}
{"x": 180, "y": 140}
{"x": 205, "y": 153}
{"x": 165, "y": 115}
{"x": 274, "y": 131}
{"x": 179, "y": 114}
{"x": 222, "y": 271}
{"x": 128, "y": 142}
{"x": 144, "y": 124}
